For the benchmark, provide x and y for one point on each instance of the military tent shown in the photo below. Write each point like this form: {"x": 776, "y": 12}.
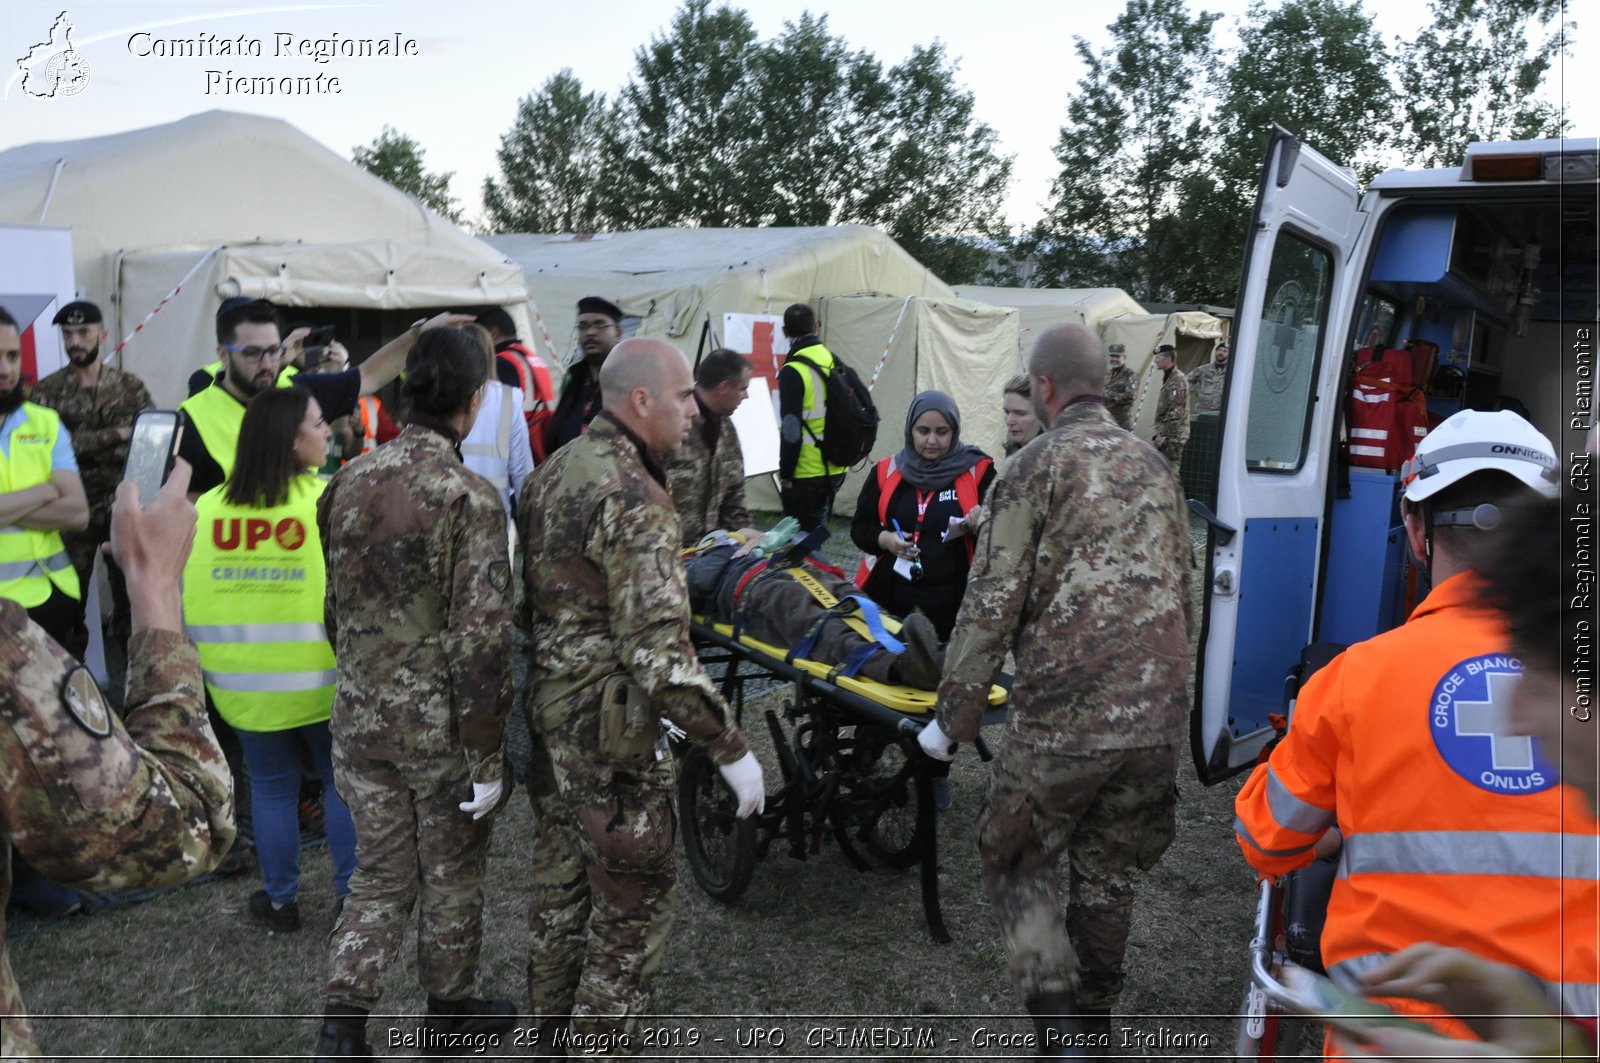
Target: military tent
{"x": 242, "y": 204}
{"x": 872, "y": 300}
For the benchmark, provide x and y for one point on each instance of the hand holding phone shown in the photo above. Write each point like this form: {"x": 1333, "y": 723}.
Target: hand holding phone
{"x": 151, "y": 450}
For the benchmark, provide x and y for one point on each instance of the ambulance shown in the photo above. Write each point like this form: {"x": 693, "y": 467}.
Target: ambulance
{"x": 1361, "y": 320}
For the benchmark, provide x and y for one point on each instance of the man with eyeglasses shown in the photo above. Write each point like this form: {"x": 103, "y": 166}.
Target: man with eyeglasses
{"x": 250, "y": 344}
{"x": 599, "y": 330}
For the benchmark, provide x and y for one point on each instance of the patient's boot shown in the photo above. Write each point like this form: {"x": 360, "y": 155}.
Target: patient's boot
{"x": 923, "y": 660}
{"x": 1059, "y": 1029}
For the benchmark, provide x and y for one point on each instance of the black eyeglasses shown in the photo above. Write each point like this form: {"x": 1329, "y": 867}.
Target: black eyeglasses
{"x": 254, "y": 354}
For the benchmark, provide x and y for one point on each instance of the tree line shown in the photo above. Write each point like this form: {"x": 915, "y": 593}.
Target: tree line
{"x": 1160, "y": 149}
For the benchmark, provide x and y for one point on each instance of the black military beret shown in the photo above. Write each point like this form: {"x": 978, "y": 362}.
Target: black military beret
{"x": 1166, "y": 348}
{"x": 594, "y": 304}
{"x": 79, "y": 312}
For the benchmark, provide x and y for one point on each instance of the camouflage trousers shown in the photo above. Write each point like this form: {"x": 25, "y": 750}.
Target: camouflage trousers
{"x": 1173, "y": 451}
{"x": 1109, "y": 811}
{"x": 413, "y": 843}
{"x": 603, "y": 893}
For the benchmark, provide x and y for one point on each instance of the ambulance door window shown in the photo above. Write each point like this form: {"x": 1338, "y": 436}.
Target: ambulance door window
{"x": 1294, "y": 316}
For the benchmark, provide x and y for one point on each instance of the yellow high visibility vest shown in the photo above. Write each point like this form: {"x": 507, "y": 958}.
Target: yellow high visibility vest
{"x": 286, "y": 375}
{"x": 33, "y": 561}
{"x": 814, "y": 413}
{"x": 252, "y": 602}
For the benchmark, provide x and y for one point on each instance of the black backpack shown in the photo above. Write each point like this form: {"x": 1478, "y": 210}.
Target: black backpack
{"x": 850, "y": 427}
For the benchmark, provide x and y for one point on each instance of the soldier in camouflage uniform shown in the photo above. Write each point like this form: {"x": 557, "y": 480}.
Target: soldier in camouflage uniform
{"x": 706, "y": 474}
{"x": 1122, "y": 387}
{"x": 419, "y": 613}
{"x": 1205, "y": 382}
{"x": 98, "y": 404}
{"x": 89, "y": 800}
{"x": 1172, "y": 408}
{"x": 1084, "y": 568}
{"x": 609, "y": 653}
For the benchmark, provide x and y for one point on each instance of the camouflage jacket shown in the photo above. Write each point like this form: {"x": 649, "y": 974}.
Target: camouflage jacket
{"x": 418, "y": 606}
{"x": 1083, "y": 569}
{"x": 708, "y": 485}
{"x": 1205, "y": 387}
{"x": 1122, "y": 387}
{"x": 606, "y": 592}
{"x": 1172, "y": 409}
{"x": 96, "y": 803}
{"x": 95, "y": 417}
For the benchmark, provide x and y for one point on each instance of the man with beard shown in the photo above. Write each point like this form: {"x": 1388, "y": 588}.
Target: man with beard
{"x": 599, "y": 330}
{"x": 98, "y": 404}
{"x": 250, "y": 344}
{"x": 40, "y": 497}
{"x": 1205, "y": 382}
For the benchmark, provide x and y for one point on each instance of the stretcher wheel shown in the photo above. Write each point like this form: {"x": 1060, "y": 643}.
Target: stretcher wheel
{"x": 721, "y": 847}
{"x": 893, "y": 830}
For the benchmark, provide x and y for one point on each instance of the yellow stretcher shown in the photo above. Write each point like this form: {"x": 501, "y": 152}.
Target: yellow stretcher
{"x": 851, "y": 770}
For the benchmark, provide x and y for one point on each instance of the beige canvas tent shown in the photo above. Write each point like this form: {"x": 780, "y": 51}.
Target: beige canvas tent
{"x": 1042, "y": 308}
{"x": 1119, "y": 319}
{"x": 262, "y": 210}
{"x": 671, "y": 282}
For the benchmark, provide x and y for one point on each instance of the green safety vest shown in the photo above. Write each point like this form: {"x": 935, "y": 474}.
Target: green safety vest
{"x": 286, "y": 375}
{"x": 217, "y": 416}
{"x": 252, "y": 602}
{"x": 31, "y": 561}
{"x": 814, "y": 414}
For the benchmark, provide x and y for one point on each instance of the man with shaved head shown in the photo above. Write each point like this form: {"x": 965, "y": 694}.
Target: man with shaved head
{"x": 1083, "y": 568}
{"x": 609, "y": 655}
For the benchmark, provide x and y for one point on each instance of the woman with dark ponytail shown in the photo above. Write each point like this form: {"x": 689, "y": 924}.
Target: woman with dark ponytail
{"x": 419, "y": 609}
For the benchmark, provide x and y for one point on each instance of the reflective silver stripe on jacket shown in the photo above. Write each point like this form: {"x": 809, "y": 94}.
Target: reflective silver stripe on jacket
{"x": 1576, "y": 998}
{"x": 306, "y": 631}
{"x": 57, "y": 561}
{"x": 1292, "y": 813}
{"x": 270, "y": 682}
{"x": 1239, "y": 829}
{"x": 1472, "y": 852}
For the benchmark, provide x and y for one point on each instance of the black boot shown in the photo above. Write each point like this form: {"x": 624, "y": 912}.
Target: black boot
{"x": 471, "y": 1015}
{"x": 923, "y": 660}
{"x": 1060, "y": 1031}
{"x": 344, "y": 1035}
{"x": 1097, "y": 1028}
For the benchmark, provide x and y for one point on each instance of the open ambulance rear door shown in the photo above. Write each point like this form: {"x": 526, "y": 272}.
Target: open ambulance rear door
{"x": 1296, "y": 301}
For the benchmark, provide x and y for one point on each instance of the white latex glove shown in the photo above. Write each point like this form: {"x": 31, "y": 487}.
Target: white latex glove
{"x": 744, "y": 776}
{"x": 485, "y": 795}
{"x": 935, "y": 742}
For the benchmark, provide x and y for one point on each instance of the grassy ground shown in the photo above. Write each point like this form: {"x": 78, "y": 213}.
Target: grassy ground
{"x": 815, "y": 951}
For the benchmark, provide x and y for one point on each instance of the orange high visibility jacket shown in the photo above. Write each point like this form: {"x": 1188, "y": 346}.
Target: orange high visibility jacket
{"x": 1453, "y": 832}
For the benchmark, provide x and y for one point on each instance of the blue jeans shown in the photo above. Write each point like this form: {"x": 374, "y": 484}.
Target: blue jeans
{"x": 273, "y": 758}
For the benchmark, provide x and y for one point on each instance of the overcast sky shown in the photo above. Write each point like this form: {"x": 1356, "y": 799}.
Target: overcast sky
{"x": 475, "y": 58}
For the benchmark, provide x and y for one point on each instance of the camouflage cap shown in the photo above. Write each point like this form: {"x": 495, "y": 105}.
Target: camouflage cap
{"x": 1117, "y": 348}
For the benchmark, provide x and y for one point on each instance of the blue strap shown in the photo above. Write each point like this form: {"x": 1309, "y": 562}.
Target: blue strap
{"x": 874, "y": 618}
{"x": 856, "y": 659}
{"x": 807, "y": 642}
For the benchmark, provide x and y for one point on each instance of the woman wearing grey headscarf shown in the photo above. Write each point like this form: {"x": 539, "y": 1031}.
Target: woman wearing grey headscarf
{"x": 918, "y": 514}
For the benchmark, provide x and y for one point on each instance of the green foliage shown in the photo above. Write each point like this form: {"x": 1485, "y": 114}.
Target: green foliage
{"x": 717, "y": 128}
{"x": 1472, "y": 75}
{"x": 551, "y": 160}
{"x": 1134, "y": 130}
{"x": 397, "y": 159}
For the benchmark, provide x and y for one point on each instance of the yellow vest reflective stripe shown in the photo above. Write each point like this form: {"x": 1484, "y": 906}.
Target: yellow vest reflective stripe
{"x": 32, "y": 561}
{"x": 814, "y": 413}
{"x": 252, "y": 602}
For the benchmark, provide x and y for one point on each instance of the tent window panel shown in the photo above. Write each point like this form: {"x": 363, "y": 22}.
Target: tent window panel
{"x": 1293, "y": 319}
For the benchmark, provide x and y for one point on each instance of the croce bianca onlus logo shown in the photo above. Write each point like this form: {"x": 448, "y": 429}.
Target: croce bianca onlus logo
{"x": 54, "y": 67}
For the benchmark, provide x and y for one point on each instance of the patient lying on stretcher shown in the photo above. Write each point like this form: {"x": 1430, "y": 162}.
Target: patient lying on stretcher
{"x": 795, "y": 600}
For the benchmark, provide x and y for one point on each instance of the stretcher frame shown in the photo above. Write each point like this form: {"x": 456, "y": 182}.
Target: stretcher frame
{"x": 853, "y": 770}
